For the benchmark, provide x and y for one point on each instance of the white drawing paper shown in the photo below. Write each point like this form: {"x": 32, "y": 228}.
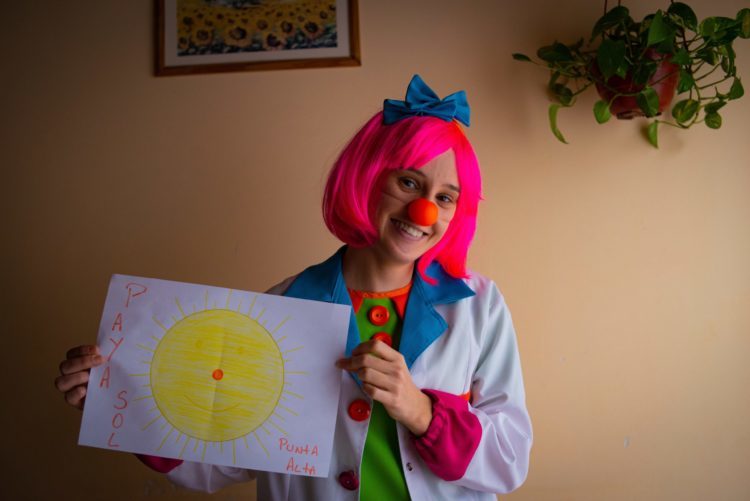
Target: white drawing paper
{"x": 215, "y": 375}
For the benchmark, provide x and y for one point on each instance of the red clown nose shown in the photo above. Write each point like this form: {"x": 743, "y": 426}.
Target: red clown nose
{"x": 423, "y": 212}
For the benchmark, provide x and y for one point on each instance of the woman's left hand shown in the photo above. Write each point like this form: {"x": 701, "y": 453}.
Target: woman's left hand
{"x": 386, "y": 378}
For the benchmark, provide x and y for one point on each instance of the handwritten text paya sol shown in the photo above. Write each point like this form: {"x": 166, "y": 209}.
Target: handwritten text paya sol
{"x": 116, "y": 338}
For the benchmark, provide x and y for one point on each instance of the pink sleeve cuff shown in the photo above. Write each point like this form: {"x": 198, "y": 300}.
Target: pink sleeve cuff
{"x": 162, "y": 465}
{"x": 452, "y": 438}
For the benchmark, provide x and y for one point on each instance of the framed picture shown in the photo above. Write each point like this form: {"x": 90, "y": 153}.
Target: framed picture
{"x": 208, "y": 36}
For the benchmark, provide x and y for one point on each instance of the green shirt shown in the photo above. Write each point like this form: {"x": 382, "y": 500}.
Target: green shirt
{"x": 381, "y": 475}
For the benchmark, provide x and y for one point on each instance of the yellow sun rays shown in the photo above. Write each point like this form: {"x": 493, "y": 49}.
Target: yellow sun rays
{"x": 217, "y": 375}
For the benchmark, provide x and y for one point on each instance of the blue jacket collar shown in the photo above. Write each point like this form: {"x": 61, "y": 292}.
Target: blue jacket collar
{"x": 422, "y": 324}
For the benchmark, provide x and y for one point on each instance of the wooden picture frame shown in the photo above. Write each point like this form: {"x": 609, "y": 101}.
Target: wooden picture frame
{"x": 212, "y": 36}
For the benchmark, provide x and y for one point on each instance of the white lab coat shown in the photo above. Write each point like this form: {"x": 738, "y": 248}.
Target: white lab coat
{"x": 475, "y": 352}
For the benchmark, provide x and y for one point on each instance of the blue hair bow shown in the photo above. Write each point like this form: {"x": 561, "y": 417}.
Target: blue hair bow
{"x": 422, "y": 101}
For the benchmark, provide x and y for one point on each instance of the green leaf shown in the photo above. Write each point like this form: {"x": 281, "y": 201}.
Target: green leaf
{"x": 644, "y": 71}
{"x": 713, "y": 120}
{"x": 601, "y": 111}
{"x": 709, "y": 55}
{"x": 665, "y": 46}
{"x": 743, "y": 18}
{"x": 719, "y": 30}
{"x": 554, "y": 75}
{"x": 659, "y": 31}
{"x": 727, "y": 64}
{"x": 648, "y": 101}
{"x": 686, "y": 82}
{"x": 727, "y": 51}
{"x": 727, "y": 59}
{"x": 553, "y": 108}
{"x": 707, "y": 27}
{"x": 610, "y": 57}
{"x": 681, "y": 57}
{"x": 555, "y": 53}
{"x": 714, "y": 106}
{"x": 736, "y": 91}
{"x": 652, "y": 133}
{"x": 611, "y": 19}
{"x": 685, "y": 13}
{"x": 521, "y": 57}
{"x": 562, "y": 93}
{"x": 685, "y": 110}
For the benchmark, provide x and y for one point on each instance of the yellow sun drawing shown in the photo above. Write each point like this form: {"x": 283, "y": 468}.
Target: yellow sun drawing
{"x": 217, "y": 375}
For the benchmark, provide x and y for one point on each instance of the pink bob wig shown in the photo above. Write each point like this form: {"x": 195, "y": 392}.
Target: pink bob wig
{"x": 352, "y": 192}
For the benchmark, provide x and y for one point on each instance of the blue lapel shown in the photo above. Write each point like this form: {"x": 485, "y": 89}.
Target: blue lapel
{"x": 422, "y": 324}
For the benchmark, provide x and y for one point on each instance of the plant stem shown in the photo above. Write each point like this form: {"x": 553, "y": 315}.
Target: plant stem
{"x": 701, "y": 46}
{"x": 671, "y": 124}
{"x": 698, "y": 95}
{"x": 714, "y": 83}
{"x": 578, "y": 91}
{"x": 689, "y": 68}
{"x": 705, "y": 74}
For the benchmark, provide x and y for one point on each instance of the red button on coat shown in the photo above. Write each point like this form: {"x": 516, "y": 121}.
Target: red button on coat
{"x": 378, "y": 315}
{"x": 384, "y": 337}
{"x": 349, "y": 480}
{"x": 359, "y": 410}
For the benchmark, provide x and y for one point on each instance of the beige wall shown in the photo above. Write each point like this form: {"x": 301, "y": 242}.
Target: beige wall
{"x": 626, "y": 268}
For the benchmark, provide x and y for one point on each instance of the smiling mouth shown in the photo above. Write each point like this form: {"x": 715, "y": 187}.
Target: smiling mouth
{"x": 210, "y": 410}
{"x": 408, "y": 229}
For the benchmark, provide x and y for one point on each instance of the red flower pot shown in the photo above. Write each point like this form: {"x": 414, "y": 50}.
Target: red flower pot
{"x": 664, "y": 82}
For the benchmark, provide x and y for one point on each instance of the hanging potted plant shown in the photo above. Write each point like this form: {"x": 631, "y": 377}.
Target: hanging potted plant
{"x": 638, "y": 67}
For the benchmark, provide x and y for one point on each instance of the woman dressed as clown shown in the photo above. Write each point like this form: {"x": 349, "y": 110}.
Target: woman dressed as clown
{"x": 432, "y": 402}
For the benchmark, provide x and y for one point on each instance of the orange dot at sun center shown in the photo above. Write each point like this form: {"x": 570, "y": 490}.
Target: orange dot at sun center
{"x": 218, "y": 374}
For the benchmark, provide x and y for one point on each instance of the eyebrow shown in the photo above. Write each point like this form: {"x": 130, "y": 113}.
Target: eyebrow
{"x": 447, "y": 185}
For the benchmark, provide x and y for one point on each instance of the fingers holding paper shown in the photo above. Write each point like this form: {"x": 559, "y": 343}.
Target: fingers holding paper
{"x": 74, "y": 373}
{"x": 386, "y": 378}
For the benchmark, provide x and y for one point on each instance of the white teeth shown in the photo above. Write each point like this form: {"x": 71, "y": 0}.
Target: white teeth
{"x": 408, "y": 229}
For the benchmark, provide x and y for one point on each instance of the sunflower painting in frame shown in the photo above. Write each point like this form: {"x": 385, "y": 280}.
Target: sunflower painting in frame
{"x": 198, "y": 36}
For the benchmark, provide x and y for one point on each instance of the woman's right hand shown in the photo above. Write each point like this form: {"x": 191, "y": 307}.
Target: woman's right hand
{"x": 74, "y": 373}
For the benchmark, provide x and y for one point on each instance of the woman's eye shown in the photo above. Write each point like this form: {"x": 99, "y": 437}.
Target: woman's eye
{"x": 408, "y": 183}
{"x": 445, "y": 199}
